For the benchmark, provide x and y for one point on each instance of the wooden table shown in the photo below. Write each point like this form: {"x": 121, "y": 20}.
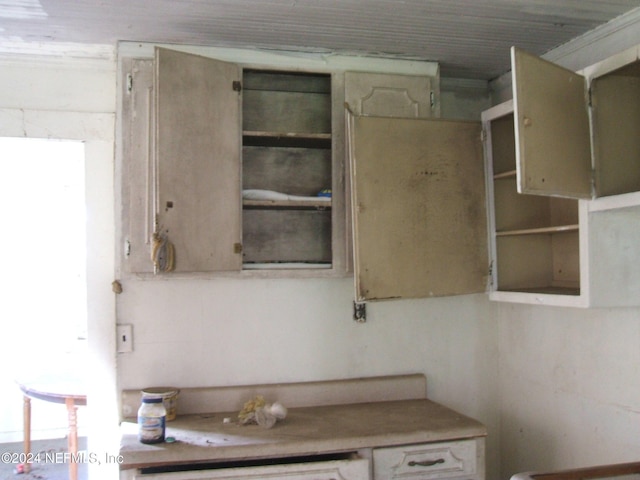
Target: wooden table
{"x": 64, "y": 389}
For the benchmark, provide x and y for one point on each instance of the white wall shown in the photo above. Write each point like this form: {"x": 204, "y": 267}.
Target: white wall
{"x": 569, "y": 387}
{"x": 49, "y": 96}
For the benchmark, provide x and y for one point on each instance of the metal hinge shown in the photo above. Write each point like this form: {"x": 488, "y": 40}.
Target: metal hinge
{"x": 237, "y": 86}
{"x": 129, "y": 82}
{"x": 237, "y": 248}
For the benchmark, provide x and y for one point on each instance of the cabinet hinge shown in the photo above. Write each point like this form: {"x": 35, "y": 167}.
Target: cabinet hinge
{"x": 237, "y": 86}
{"x": 129, "y": 82}
{"x": 589, "y": 98}
{"x": 237, "y": 248}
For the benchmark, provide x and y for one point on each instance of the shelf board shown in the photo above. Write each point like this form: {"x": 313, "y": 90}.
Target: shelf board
{"x": 508, "y": 174}
{"x": 275, "y": 204}
{"x": 549, "y": 290}
{"x": 538, "y": 231}
{"x": 255, "y": 138}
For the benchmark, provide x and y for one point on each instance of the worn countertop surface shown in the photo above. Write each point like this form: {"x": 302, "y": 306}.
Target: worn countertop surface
{"x": 202, "y": 438}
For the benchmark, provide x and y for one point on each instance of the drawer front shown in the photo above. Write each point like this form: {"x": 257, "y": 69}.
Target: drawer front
{"x": 356, "y": 469}
{"x": 426, "y": 461}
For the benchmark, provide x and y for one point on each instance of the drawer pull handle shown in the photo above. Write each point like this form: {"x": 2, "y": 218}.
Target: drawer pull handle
{"x": 426, "y": 463}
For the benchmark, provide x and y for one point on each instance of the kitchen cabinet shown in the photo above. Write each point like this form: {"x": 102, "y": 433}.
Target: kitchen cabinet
{"x": 233, "y": 161}
{"x": 376, "y": 440}
{"x": 560, "y": 232}
{"x": 550, "y": 242}
{"x": 241, "y": 168}
{"x": 577, "y": 132}
{"x": 444, "y": 460}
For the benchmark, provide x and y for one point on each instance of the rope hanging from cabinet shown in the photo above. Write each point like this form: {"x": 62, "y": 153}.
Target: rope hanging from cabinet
{"x": 162, "y": 253}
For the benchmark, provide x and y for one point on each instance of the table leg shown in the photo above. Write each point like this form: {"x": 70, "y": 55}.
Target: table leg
{"x": 26, "y": 431}
{"x": 72, "y": 410}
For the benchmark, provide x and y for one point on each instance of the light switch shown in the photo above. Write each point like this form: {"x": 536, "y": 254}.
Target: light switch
{"x": 124, "y": 340}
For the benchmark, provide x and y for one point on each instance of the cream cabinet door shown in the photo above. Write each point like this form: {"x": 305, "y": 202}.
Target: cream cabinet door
{"x": 388, "y": 95}
{"x": 553, "y": 149}
{"x": 198, "y": 152}
{"x": 419, "y": 213}
{"x": 355, "y": 469}
{"x": 136, "y": 175}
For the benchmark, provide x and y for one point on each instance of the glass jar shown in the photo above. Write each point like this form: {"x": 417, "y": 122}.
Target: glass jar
{"x": 152, "y": 417}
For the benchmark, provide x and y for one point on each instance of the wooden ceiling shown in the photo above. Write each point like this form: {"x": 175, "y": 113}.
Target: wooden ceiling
{"x": 469, "y": 38}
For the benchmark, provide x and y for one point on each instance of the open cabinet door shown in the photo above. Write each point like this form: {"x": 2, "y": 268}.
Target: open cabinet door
{"x": 418, "y": 207}
{"x": 198, "y": 150}
{"x": 553, "y": 151}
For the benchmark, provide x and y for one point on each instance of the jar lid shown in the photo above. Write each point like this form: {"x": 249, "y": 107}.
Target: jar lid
{"x": 151, "y": 400}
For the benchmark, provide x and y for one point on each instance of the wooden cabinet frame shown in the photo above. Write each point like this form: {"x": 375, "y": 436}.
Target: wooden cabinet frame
{"x": 183, "y": 148}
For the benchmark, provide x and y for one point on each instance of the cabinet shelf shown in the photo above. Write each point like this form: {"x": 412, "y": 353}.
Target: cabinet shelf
{"x": 293, "y": 204}
{"x": 252, "y": 138}
{"x": 508, "y": 174}
{"x": 538, "y": 231}
{"x": 549, "y": 290}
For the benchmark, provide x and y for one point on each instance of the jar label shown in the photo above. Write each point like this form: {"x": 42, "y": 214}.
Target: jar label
{"x": 151, "y": 429}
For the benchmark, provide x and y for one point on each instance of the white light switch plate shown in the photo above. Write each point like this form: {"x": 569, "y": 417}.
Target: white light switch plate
{"x": 124, "y": 340}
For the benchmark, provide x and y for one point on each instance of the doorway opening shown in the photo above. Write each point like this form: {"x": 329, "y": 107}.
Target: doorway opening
{"x": 43, "y": 245}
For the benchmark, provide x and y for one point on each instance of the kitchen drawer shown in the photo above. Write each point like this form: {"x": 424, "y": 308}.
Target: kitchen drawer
{"x": 426, "y": 461}
{"x": 351, "y": 469}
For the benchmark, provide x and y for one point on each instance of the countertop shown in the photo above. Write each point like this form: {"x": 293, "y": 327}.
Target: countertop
{"x": 204, "y": 438}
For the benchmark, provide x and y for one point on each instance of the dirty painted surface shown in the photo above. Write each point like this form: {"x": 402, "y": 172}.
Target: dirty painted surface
{"x": 420, "y": 218}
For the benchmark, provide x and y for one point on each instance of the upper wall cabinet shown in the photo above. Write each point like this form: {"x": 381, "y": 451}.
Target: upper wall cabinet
{"x": 242, "y": 166}
{"x": 418, "y": 196}
{"x": 576, "y": 135}
{"x": 241, "y": 169}
{"x": 387, "y": 95}
{"x": 572, "y": 251}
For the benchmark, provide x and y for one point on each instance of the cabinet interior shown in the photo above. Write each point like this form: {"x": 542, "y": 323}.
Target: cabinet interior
{"x": 536, "y": 237}
{"x": 616, "y": 122}
{"x": 286, "y": 164}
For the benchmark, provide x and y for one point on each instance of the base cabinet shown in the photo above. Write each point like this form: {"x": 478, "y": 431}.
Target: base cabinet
{"x": 443, "y": 460}
{"x": 349, "y": 469}
{"x": 459, "y": 459}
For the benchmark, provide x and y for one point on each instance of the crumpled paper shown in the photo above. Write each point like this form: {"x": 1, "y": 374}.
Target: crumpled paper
{"x": 257, "y": 411}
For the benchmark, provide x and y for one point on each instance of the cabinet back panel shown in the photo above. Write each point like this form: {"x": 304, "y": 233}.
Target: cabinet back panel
{"x": 286, "y": 81}
{"x": 616, "y": 114}
{"x": 525, "y": 262}
{"x": 563, "y": 211}
{"x": 286, "y": 236}
{"x": 566, "y": 259}
{"x": 295, "y": 171}
{"x": 503, "y": 144}
{"x": 530, "y": 262}
{"x": 291, "y": 112}
{"x": 515, "y": 211}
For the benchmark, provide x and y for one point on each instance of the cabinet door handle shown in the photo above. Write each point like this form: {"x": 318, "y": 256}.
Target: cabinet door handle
{"x": 426, "y": 463}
